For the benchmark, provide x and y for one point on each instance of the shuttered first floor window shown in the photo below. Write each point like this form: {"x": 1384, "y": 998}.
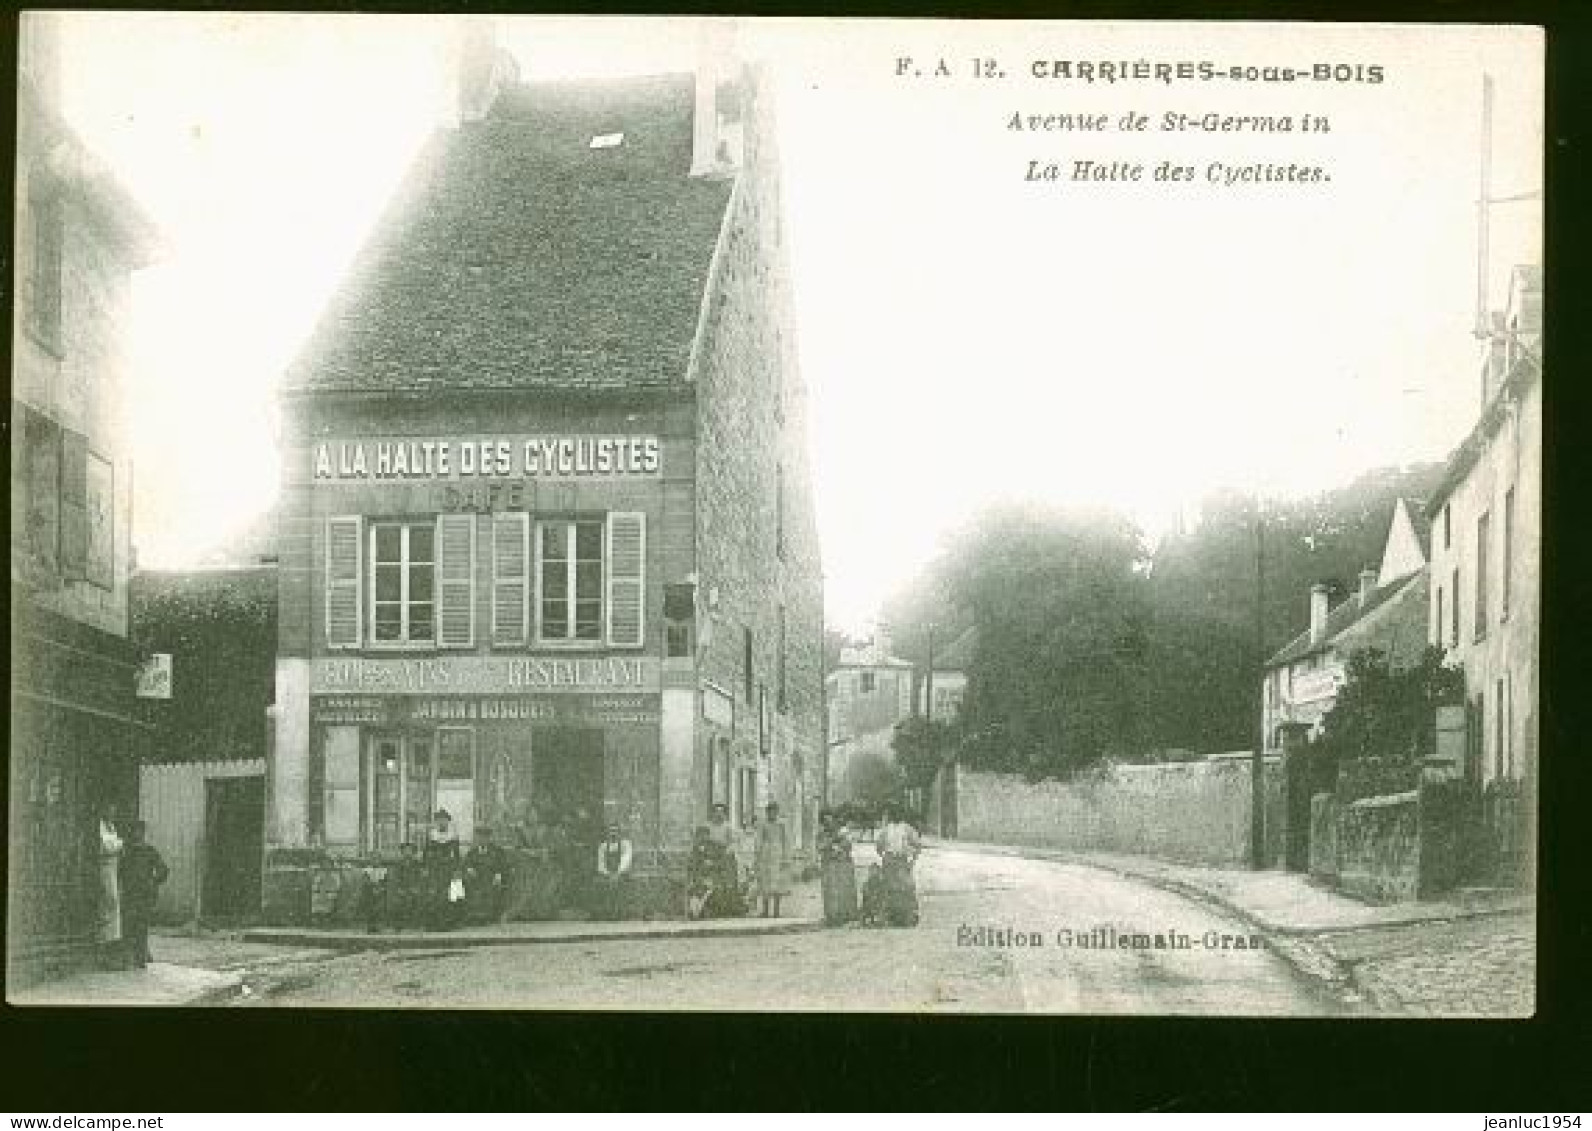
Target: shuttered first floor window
{"x": 403, "y": 582}
{"x": 569, "y": 580}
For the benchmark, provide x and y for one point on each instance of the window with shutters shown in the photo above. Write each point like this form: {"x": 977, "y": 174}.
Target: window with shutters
{"x": 403, "y": 583}
{"x": 344, "y": 582}
{"x": 511, "y": 578}
{"x": 569, "y": 581}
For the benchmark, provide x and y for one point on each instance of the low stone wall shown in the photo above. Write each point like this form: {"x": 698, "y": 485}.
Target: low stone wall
{"x": 1379, "y": 847}
{"x": 1192, "y": 811}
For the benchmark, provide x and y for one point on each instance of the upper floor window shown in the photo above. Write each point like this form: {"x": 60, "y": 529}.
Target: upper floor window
{"x": 1438, "y": 621}
{"x": 1509, "y": 554}
{"x": 867, "y": 682}
{"x": 1448, "y": 527}
{"x": 403, "y": 582}
{"x": 779, "y": 511}
{"x": 569, "y": 569}
{"x": 413, "y": 582}
{"x": 1483, "y": 550}
{"x": 44, "y": 278}
{"x": 1453, "y": 611}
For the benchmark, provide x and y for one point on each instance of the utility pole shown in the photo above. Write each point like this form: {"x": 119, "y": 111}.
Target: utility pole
{"x": 1257, "y": 762}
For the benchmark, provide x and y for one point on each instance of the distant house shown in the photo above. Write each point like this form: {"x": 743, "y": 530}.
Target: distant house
{"x": 868, "y": 692}
{"x": 1486, "y": 515}
{"x": 1387, "y": 612}
{"x": 949, "y": 684}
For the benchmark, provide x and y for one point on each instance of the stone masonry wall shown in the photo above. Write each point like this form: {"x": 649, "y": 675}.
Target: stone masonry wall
{"x": 757, "y": 542}
{"x": 1192, "y": 811}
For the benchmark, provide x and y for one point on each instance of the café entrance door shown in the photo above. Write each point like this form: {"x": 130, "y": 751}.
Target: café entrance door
{"x": 567, "y": 774}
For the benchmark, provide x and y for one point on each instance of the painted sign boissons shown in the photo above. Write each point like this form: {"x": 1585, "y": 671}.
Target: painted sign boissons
{"x": 556, "y": 457}
{"x": 484, "y": 675}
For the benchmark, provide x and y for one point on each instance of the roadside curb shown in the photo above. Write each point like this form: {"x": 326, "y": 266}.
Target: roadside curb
{"x": 351, "y": 941}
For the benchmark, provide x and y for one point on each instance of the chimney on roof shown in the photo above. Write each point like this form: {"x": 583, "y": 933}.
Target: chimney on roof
{"x": 481, "y": 69}
{"x": 716, "y": 130}
{"x": 1367, "y": 586}
{"x": 1318, "y": 613}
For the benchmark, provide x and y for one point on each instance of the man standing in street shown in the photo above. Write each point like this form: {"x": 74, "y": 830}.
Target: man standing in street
{"x": 140, "y": 874}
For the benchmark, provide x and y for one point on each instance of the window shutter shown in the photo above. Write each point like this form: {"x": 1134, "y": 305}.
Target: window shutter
{"x": 511, "y": 565}
{"x": 627, "y": 558}
{"x": 74, "y": 506}
{"x": 343, "y": 577}
{"x": 455, "y": 580}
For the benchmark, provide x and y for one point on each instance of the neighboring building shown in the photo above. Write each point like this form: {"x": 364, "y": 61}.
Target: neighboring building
{"x": 1387, "y": 612}
{"x": 868, "y": 692}
{"x": 546, "y": 535}
{"x": 1486, "y": 545}
{"x": 202, "y": 791}
{"x": 76, "y": 736}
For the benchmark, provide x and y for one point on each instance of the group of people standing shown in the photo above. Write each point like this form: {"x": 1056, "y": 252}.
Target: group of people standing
{"x": 889, "y": 895}
{"x": 130, "y": 872}
{"x": 729, "y": 869}
{"x": 541, "y": 869}
{"x": 720, "y": 884}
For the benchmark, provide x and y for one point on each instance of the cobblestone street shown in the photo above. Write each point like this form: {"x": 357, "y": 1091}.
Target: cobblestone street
{"x": 1482, "y": 966}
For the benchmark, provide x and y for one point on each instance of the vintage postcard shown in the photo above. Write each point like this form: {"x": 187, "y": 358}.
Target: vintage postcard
{"x": 806, "y": 515}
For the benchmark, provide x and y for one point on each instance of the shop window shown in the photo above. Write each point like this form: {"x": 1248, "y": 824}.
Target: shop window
{"x": 403, "y": 582}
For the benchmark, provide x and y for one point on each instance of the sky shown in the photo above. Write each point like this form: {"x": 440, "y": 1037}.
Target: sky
{"x": 967, "y": 335}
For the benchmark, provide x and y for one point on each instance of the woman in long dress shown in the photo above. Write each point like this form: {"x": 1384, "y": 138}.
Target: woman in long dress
{"x": 772, "y": 861}
{"x": 108, "y": 855}
{"x": 838, "y": 876}
{"x": 898, "y": 847}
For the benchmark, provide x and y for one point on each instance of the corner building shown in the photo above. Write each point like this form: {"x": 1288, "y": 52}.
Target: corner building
{"x": 546, "y": 536}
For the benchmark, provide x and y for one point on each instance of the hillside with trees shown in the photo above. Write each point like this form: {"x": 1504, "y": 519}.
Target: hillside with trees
{"x": 1091, "y": 647}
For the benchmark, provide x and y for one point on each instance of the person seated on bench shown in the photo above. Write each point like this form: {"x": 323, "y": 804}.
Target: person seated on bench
{"x": 614, "y": 856}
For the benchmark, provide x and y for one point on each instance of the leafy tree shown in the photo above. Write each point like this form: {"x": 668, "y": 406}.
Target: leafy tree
{"x": 922, "y": 747}
{"x": 1058, "y": 601}
{"x": 1387, "y": 713}
{"x": 872, "y": 779}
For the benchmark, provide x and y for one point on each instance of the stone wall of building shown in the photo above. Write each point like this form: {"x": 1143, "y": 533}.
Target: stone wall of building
{"x": 760, "y": 588}
{"x": 1193, "y": 811}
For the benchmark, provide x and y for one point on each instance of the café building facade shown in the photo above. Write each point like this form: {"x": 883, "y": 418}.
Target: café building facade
{"x": 546, "y": 537}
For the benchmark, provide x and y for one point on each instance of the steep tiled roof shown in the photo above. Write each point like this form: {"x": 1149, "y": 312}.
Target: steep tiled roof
{"x": 517, "y": 256}
{"x": 1421, "y": 523}
{"x": 1348, "y": 613}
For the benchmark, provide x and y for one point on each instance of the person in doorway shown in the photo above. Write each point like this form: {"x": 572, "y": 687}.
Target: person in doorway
{"x": 772, "y": 861}
{"x": 140, "y": 873}
{"x": 898, "y": 847}
{"x": 581, "y": 837}
{"x": 444, "y": 872}
{"x": 839, "y": 875}
{"x": 108, "y": 853}
{"x": 614, "y": 858}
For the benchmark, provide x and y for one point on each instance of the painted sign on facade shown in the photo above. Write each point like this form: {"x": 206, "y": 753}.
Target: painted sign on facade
{"x": 471, "y": 459}
{"x": 485, "y": 675}
{"x": 1311, "y": 686}
{"x": 396, "y": 710}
